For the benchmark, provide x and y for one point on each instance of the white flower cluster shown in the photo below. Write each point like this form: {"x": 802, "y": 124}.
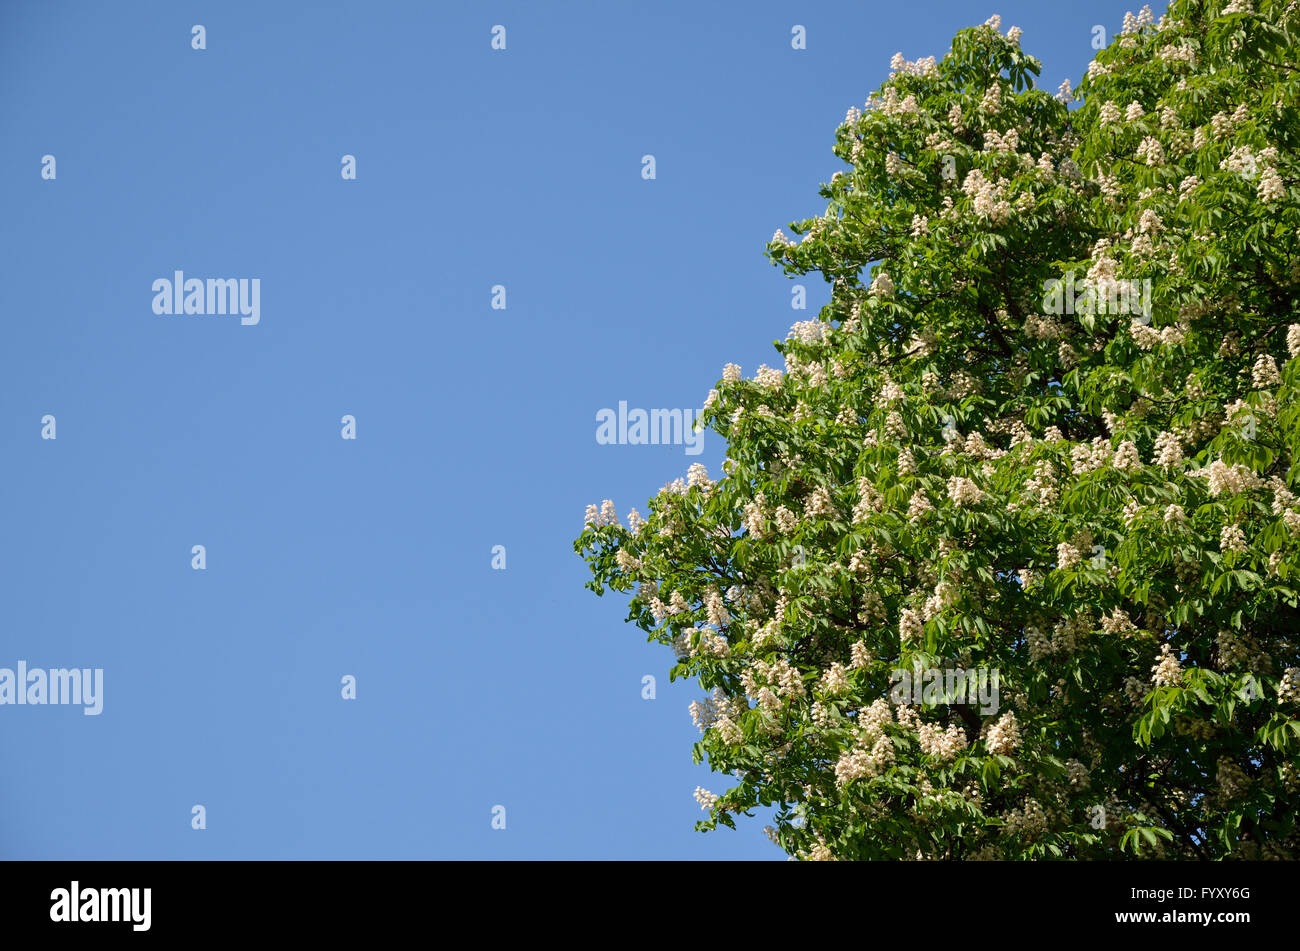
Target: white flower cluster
{"x": 1270, "y": 187}
{"x": 1040, "y": 645}
{"x": 823, "y": 716}
{"x": 807, "y": 331}
{"x": 909, "y": 625}
{"x": 821, "y": 852}
{"x": 1241, "y": 161}
{"x": 895, "y": 428}
{"x": 890, "y": 391}
{"x": 1232, "y": 779}
{"x": 1293, "y": 340}
{"x": 1118, "y": 622}
{"x": 1003, "y": 737}
{"x": 922, "y": 67}
{"x": 1223, "y": 478}
{"x": 819, "y": 504}
{"x": 835, "y": 681}
{"x": 1290, "y": 777}
{"x": 703, "y": 713}
{"x": 1182, "y": 51}
{"x": 964, "y": 492}
{"x": 1232, "y": 538}
{"x": 760, "y": 676}
{"x": 945, "y": 595}
{"x": 1235, "y": 650}
{"x": 1151, "y": 151}
{"x": 1047, "y": 168}
{"x": 882, "y": 285}
{"x": 859, "y": 655}
{"x": 1169, "y": 450}
{"x": 768, "y": 377}
{"x": 873, "y": 720}
{"x": 1101, "y": 275}
{"x": 1067, "y": 632}
{"x": 1167, "y": 672}
{"x": 755, "y": 517}
{"x": 1135, "y": 691}
{"x": 989, "y": 197}
{"x": 786, "y": 521}
{"x": 1042, "y": 483}
{"x": 1027, "y": 822}
{"x": 991, "y": 103}
{"x": 1148, "y": 338}
{"x": 943, "y": 745}
{"x": 730, "y": 731}
{"x": 1008, "y": 141}
{"x": 976, "y": 447}
{"x": 676, "y": 487}
{"x": 698, "y": 475}
{"x": 1264, "y": 372}
{"x": 1067, "y": 556}
{"x": 1223, "y": 124}
{"x": 718, "y": 614}
{"x": 869, "y": 500}
{"x": 599, "y": 518}
{"x": 1133, "y": 24}
{"x": 1126, "y": 457}
{"x": 918, "y": 506}
{"x": 705, "y": 798}
{"x": 962, "y": 385}
{"x": 1044, "y": 328}
{"x": 677, "y": 604}
{"x": 908, "y": 718}
{"x": 859, "y": 763}
{"x": 1288, "y": 687}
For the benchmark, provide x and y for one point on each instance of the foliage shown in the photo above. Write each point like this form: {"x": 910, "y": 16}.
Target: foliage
{"x": 960, "y": 467}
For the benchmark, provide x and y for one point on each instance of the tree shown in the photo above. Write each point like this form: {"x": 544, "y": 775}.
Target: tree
{"x": 1038, "y": 446}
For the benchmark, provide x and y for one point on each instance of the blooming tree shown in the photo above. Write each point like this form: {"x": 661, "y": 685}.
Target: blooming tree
{"x": 1044, "y": 428}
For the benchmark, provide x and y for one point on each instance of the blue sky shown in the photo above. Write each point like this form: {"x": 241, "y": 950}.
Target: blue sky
{"x": 475, "y": 427}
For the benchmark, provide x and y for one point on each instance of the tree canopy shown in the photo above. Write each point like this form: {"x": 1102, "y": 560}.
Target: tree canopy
{"x": 1042, "y": 433}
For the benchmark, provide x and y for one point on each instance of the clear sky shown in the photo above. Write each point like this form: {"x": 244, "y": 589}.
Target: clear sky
{"x": 475, "y": 426}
